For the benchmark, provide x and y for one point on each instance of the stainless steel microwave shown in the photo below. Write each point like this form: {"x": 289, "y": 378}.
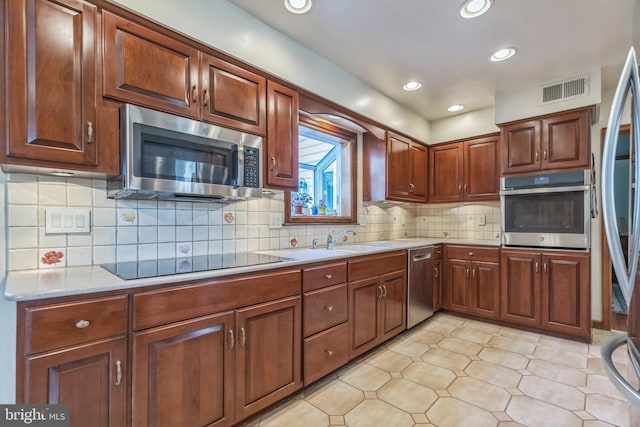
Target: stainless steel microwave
{"x": 547, "y": 210}
{"x": 168, "y": 157}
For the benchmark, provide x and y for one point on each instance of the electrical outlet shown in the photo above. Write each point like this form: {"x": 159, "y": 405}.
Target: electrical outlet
{"x": 482, "y": 220}
{"x": 275, "y": 220}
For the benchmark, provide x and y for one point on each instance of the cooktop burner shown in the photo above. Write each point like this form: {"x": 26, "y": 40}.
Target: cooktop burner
{"x": 164, "y": 267}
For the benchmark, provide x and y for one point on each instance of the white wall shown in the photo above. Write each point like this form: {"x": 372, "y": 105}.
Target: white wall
{"x": 473, "y": 123}
{"x": 233, "y": 31}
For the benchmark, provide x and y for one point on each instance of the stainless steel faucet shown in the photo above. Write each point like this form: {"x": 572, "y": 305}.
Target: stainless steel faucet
{"x": 331, "y": 241}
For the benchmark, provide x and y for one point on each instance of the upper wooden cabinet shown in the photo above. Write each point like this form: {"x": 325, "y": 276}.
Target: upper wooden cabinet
{"x": 148, "y": 68}
{"x": 281, "y": 154}
{"x": 406, "y": 169}
{"x": 51, "y": 72}
{"x": 555, "y": 141}
{"x": 466, "y": 170}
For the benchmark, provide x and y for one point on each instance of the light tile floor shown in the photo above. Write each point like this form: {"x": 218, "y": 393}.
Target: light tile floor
{"x": 452, "y": 371}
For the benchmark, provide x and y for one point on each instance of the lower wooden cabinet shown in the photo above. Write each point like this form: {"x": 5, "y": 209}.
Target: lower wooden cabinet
{"x": 89, "y": 378}
{"x": 377, "y": 304}
{"x": 550, "y": 290}
{"x": 473, "y": 280}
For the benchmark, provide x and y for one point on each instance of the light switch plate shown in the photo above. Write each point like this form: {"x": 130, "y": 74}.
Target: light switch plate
{"x": 67, "y": 220}
{"x": 275, "y": 220}
{"x": 482, "y": 220}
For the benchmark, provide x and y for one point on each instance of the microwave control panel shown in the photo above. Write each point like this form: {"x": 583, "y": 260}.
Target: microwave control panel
{"x": 251, "y": 167}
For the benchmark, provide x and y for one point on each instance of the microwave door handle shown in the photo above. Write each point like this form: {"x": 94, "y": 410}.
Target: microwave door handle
{"x": 614, "y": 375}
{"x": 625, "y": 272}
{"x": 236, "y": 174}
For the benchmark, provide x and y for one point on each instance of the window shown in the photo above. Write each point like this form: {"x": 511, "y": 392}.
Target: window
{"x": 326, "y": 161}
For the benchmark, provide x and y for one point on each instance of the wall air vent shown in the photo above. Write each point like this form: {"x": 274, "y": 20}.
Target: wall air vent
{"x": 566, "y": 89}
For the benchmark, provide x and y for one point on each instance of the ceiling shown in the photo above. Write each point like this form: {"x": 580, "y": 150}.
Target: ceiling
{"x": 387, "y": 43}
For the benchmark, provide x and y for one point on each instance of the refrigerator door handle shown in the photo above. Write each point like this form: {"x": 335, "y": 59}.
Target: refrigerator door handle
{"x": 614, "y": 375}
{"x": 629, "y": 81}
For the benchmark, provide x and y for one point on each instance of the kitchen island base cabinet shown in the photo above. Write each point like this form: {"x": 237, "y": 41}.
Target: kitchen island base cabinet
{"x": 89, "y": 379}
{"x": 377, "y": 300}
{"x": 548, "y": 290}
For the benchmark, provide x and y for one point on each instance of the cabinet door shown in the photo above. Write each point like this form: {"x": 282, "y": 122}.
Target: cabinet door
{"x": 418, "y": 175}
{"x": 281, "y": 159}
{"x": 85, "y": 378}
{"x": 565, "y": 140}
{"x": 364, "y": 296}
{"x": 458, "y": 281}
{"x": 445, "y": 173}
{"x": 437, "y": 285}
{"x": 485, "y": 289}
{"x": 233, "y": 97}
{"x": 398, "y": 166}
{"x": 51, "y": 67}
{"x": 269, "y": 354}
{"x": 481, "y": 169}
{"x": 148, "y": 68}
{"x": 520, "y": 147}
{"x": 520, "y": 287}
{"x": 393, "y": 313}
{"x": 183, "y": 373}
{"x": 566, "y": 299}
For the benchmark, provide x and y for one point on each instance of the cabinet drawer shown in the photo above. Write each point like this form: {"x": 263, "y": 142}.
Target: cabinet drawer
{"x": 325, "y": 352}
{"x": 438, "y": 251}
{"x": 62, "y": 325}
{"x": 376, "y": 265}
{"x": 473, "y": 253}
{"x": 323, "y": 276}
{"x": 324, "y": 308}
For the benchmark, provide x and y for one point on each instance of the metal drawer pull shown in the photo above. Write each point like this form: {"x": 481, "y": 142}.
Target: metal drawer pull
{"x": 89, "y": 132}
{"x": 329, "y": 353}
{"x": 232, "y": 339}
{"x": 118, "y": 372}
{"x": 329, "y": 308}
{"x": 328, "y": 276}
{"x": 470, "y": 253}
{"x": 81, "y": 324}
{"x": 243, "y": 337}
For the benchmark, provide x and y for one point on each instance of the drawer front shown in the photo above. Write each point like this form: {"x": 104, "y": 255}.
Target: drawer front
{"x": 376, "y": 265}
{"x": 324, "y": 308}
{"x": 61, "y": 325}
{"x": 325, "y": 352}
{"x": 473, "y": 253}
{"x": 201, "y": 298}
{"x": 323, "y": 276}
{"x": 438, "y": 251}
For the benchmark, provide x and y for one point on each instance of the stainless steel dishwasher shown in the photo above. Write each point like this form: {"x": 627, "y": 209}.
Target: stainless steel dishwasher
{"x": 420, "y": 286}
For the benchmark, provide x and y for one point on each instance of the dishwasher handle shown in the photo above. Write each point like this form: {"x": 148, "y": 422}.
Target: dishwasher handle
{"x": 422, "y": 257}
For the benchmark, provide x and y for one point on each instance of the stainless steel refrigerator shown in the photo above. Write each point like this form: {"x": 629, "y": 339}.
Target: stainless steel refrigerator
{"x": 627, "y": 92}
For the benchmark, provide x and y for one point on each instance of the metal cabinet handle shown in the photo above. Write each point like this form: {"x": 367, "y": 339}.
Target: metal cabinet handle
{"x": 329, "y": 308}
{"x": 537, "y": 155}
{"x": 545, "y": 268}
{"x": 206, "y": 98}
{"x": 470, "y": 253}
{"x": 273, "y": 164}
{"x": 329, "y": 353}
{"x": 465, "y": 188}
{"x": 473, "y": 273}
{"x": 544, "y": 154}
{"x": 411, "y": 187}
{"x": 384, "y": 291}
{"x": 89, "y": 133}
{"x": 328, "y": 276}
{"x": 380, "y": 292}
{"x": 194, "y": 94}
{"x": 243, "y": 337}
{"x": 81, "y": 324}
{"x": 232, "y": 339}
{"x": 537, "y": 267}
{"x": 459, "y": 188}
{"x": 118, "y": 372}
{"x": 436, "y": 273}
{"x": 467, "y": 273}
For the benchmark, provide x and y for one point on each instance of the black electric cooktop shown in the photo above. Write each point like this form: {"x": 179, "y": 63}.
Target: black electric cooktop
{"x": 164, "y": 267}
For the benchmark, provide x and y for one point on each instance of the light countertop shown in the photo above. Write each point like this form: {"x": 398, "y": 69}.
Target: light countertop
{"x": 56, "y": 282}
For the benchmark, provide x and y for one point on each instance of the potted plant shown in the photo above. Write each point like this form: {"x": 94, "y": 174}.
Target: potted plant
{"x": 322, "y": 207}
{"x": 299, "y": 201}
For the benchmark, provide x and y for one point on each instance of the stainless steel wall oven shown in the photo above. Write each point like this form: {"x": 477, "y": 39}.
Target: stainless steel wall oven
{"x": 546, "y": 210}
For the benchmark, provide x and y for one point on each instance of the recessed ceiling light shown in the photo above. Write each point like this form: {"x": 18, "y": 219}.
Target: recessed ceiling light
{"x": 474, "y": 8}
{"x": 298, "y": 6}
{"x": 412, "y": 85}
{"x": 503, "y": 54}
{"x": 455, "y": 107}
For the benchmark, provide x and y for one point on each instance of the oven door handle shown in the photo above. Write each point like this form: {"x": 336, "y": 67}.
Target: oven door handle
{"x": 629, "y": 82}
{"x": 545, "y": 190}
